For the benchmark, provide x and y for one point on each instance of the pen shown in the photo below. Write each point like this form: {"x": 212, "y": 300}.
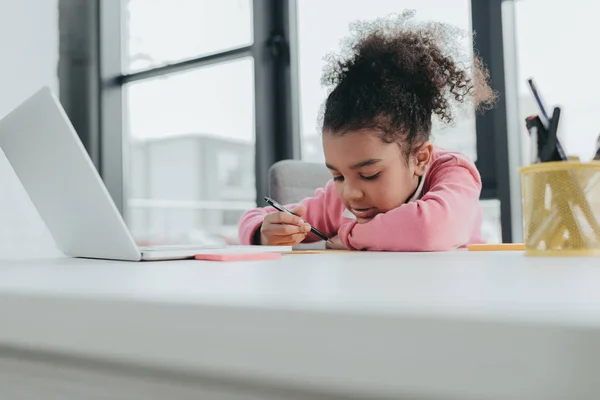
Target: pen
{"x": 281, "y": 208}
{"x": 539, "y": 102}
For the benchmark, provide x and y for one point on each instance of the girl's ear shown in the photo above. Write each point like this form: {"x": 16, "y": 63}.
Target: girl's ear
{"x": 422, "y": 158}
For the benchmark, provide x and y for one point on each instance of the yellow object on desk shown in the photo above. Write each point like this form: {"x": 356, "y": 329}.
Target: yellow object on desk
{"x": 561, "y": 208}
{"x": 497, "y": 247}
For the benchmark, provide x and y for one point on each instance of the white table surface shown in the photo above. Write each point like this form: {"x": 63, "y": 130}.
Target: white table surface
{"x": 444, "y": 325}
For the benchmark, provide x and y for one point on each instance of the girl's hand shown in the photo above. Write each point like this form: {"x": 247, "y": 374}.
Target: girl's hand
{"x": 335, "y": 243}
{"x": 283, "y": 229}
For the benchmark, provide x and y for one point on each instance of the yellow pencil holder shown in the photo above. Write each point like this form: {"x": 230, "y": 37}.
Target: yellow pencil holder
{"x": 561, "y": 208}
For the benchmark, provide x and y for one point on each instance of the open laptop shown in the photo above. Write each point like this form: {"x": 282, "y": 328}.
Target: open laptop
{"x": 56, "y": 171}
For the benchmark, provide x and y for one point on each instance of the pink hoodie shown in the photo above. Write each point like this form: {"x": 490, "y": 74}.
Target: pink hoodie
{"x": 444, "y": 214}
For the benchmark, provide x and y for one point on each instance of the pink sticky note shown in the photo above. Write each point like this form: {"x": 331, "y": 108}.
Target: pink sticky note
{"x": 238, "y": 256}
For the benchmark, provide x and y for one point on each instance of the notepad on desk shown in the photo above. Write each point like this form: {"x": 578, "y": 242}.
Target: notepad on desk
{"x": 238, "y": 256}
{"x": 243, "y": 253}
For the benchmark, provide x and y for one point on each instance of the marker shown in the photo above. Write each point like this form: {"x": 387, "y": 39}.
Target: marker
{"x": 281, "y": 208}
{"x": 548, "y": 125}
{"x": 534, "y": 124}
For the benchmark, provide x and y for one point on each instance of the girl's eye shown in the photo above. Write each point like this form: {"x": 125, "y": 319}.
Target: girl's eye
{"x": 338, "y": 178}
{"x": 371, "y": 177}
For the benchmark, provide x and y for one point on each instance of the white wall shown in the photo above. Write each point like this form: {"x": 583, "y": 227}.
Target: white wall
{"x": 28, "y": 59}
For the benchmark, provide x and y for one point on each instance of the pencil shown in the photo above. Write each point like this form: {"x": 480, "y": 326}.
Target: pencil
{"x": 497, "y": 247}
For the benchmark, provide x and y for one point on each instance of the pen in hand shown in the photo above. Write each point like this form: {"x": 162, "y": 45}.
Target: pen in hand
{"x": 281, "y": 208}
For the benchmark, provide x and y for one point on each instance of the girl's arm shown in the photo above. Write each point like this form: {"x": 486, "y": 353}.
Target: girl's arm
{"x": 443, "y": 219}
{"x": 322, "y": 212}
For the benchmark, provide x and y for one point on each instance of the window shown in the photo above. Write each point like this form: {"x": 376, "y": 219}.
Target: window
{"x": 561, "y": 61}
{"x": 188, "y": 134}
{"x": 313, "y": 44}
{"x": 199, "y": 98}
{"x": 160, "y": 32}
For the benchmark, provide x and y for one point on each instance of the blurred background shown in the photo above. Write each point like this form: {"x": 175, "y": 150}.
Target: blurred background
{"x": 183, "y": 105}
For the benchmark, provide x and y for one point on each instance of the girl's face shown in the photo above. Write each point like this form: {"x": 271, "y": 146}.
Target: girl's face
{"x": 372, "y": 176}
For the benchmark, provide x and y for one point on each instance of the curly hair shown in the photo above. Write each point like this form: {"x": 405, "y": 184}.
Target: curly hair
{"x": 396, "y": 75}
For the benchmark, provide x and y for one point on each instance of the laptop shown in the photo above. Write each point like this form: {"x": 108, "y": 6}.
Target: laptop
{"x": 57, "y": 173}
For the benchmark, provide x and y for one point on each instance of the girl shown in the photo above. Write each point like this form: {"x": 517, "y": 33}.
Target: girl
{"x": 392, "y": 190}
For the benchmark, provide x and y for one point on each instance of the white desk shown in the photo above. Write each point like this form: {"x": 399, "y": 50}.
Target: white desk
{"x": 428, "y": 326}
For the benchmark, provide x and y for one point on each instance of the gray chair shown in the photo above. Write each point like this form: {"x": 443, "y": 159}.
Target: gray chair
{"x": 292, "y": 180}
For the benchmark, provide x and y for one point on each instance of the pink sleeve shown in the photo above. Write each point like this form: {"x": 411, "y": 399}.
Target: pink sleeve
{"x": 443, "y": 219}
{"x": 318, "y": 214}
